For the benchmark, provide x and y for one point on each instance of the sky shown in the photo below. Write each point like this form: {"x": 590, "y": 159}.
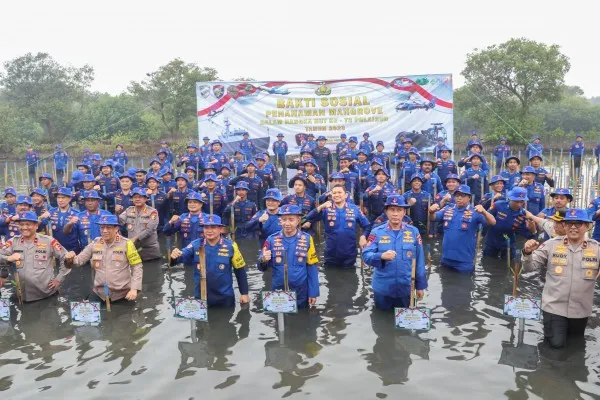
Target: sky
{"x": 285, "y": 40}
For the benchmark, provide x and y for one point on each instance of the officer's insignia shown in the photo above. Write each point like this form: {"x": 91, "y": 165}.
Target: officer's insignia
{"x": 350, "y": 224}
{"x": 300, "y": 259}
{"x": 278, "y": 259}
{"x": 12, "y": 234}
{"x": 185, "y": 235}
{"x": 129, "y": 226}
{"x": 464, "y": 225}
{"x": 53, "y": 227}
{"x": 221, "y": 266}
{"x": 560, "y": 249}
{"x": 589, "y": 273}
{"x": 330, "y": 224}
{"x": 409, "y": 254}
{"x": 558, "y": 270}
{"x": 446, "y": 223}
{"x": 96, "y": 264}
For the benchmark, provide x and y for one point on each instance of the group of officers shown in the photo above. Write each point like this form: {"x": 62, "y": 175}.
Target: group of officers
{"x": 110, "y": 216}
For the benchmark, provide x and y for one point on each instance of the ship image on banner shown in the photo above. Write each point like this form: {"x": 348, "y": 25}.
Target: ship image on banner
{"x": 418, "y": 106}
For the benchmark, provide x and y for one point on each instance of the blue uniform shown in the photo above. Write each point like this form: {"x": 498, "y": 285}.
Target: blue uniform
{"x": 121, "y": 158}
{"x": 221, "y": 259}
{"x": 542, "y": 177}
{"x": 166, "y": 186}
{"x": 191, "y": 160}
{"x": 58, "y": 220}
{"x": 6, "y": 210}
{"x": 509, "y": 223}
{"x": 409, "y": 168}
{"x": 52, "y": 193}
{"x": 510, "y": 179}
{"x": 419, "y": 211}
{"x": 60, "y": 164}
{"x": 591, "y": 210}
{"x": 226, "y": 188}
{"x": 33, "y": 161}
{"x": 597, "y": 151}
{"x": 247, "y": 148}
{"x": 188, "y": 225}
{"x": 375, "y": 200}
{"x": 339, "y": 150}
{"x": 205, "y": 150}
{"x": 220, "y": 158}
{"x": 219, "y": 201}
{"x": 367, "y": 146}
{"x": 340, "y": 231}
{"x": 467, "y": 164}
{"x": 87, "y": 159}
{"x": 87, "y": 227}
{"x": 177, "y": 201}
{"x": 255, "y": 186}
{"x": 303, "y": 275}
{"x": 460, "y": 228}
{"x": 239, "y": 166}
{"x": 577, "y": 149}
{"x": 123, "y": 200}
{"x": 324, "y": 160}
{"x": 392, "y": 279}
{"x": 434, "y": 181}
{"x": 475, "y": 183}
{"x": 444, "y": 168}
{"x": 242, "y": 213}
{"x": 533, "y": 148}
{"x": 385, "y": 159}
{"x": 501, "y": 153}
{"x": 312, "y": 144}
{"x": 160, "y": 203}
{"x": 280, "y": 149}
{"x": 486, "y": 200}
{"x": 437, "y": 150}
{"x": 306, "y": 203}
{"x": 265, "y": 229}
{"x": 537, "y": 199}
{"x": 109, "y": 185}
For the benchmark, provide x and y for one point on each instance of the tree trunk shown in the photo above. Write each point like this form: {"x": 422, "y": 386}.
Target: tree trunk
{"x": 47, "y": 128}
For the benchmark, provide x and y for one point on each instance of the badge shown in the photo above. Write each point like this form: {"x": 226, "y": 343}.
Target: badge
{"x": 12, "y": 234}
{"x": 589, "y": 273}
{"x": 464, "y": 225}
{"x": 278, "y": 260}
{"x": 330, "y": 224}
{"x": 221, "y": 266}
{"x": 96, "y": 264}
{"x": 129, "y": 227}
{"x": 409, "y": 254}
{"x": 350, "y": 224}
{"x": 558, "y": 270}
{"x": 54, "y": 227}
{"x": 300, "y": 259}
{"x": 185, "y": 235}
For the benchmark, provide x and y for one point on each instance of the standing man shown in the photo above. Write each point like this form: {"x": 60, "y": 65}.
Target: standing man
{"x": 571, "y": 264}
{"x": 33, "y": 160}
{"x": 391, "y": 249}
{"x": 116, "y": 263}
{"x": 34, "y": 256}
{"x": 247, "y": 147}
{"x": 460, "y": 223}
{"x": 141, "y": 221}
{"x": 367, "y": 145}
{"x": 323, "y": 157}
{"x": 280, "y": 149}
{"x": 501, "y": 153}
{"x": 85, "y": 223}
{"x": 267, "y": 221}
{"x": 577, "y": 150}
{"x": 535, "y": 147}
{"x": 340, "y": 148}
{"x": 60, "y": 216}
{"x": 120, "y": 156}
{"x": 60, "y": 163}
{"x": 444, "y": 165}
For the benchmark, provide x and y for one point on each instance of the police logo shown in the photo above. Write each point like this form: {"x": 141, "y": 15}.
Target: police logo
{"x": 558, "y": 270}
{"x": 204, "y": 91}
{"x": 278, "y": 259}
{"x": 96, "y": 264}
{"x": 589, "y": 273}
{"x": 300, "y": 259}
{"x": 330, "y": 224}
{"x": 349, "y": 224}
{"x": 129, "y": 226}
{"x": 53, "y": 227}
{"x": 409, "y": 254}
{"x": 221, "y": 266}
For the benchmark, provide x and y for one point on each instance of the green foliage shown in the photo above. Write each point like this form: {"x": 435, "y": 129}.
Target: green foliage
{"x": 171, "y": 92}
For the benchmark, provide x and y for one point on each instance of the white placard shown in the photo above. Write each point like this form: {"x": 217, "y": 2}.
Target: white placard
{"x": 85, "y": 311}
{"x": 4, "y": 309}
{"x": 191, "y": 309}
{"x": 279, "y": 301}
{"x": 520, "y": 307}
{"x": 413, "y": 318}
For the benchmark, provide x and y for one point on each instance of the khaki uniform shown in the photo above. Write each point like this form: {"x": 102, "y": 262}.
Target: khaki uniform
{"x": 36, "y": 267}
{"x": 142, "y": 225}
{"x": 570, "y": 275}
{"x": 118, "y": 264}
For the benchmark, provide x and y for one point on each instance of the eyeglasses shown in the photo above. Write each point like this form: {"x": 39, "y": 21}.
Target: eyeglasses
{"x": 577, "y": 224}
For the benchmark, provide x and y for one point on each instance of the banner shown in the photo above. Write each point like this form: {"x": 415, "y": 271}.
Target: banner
{"x": 420, "y": 107}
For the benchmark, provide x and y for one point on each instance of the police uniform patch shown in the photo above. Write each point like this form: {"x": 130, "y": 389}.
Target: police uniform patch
{"x": 558, "y": 270}
{"x": 221, "y": 266}
{"x": 278, "y": 259}
{"x": 330, "y": 224}
{"x": 589, "y": 273}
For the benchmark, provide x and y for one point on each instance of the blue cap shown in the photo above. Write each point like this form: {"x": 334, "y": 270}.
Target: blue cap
{"x": 299, "y": 177}
{"x": 91, "y": 194}
{"x": 155, "y": 160}
{"x": 211, "y": 178}
{"x": 260, "y": 156}
{"x": 536, "y": 154}
{"x": 425, "y": 160}
{"x": 64, "y": 191}
{"x": 563, "y": 191}
{"x": 88, "y": 178}
{"x": 86, "y": 150}
{"x": 209, "y": 166}
{"x": 280, "y": 135}
{"x": 452, "y": 176}
{"x": 273, "y": 194}
{"x": 40, "y": 191}
{"x": 577, "y": 214}
{"x": 108, "y": 220}
{"x": 407, "y": 140}
{"x": 413, "y": 150}
{"x": 343, "y": 136}
{"x": 22, "y": 199}
{"x": 445, "y": 148}
{"x": 152, "y": 176}
{"x": 245, "y": 134}
{"x": 474, "y": 143}
{"x": 517, "y": 193}
{"x": 290, "y": 209}
{"x": 216, "y": 141}
{"x": 182, "y": 176}
{"x": 253, "y": 163}
{"x": 190, "y": 168}
{"x": 310, "y": 161}
{"x": 165, "y": 171}
{"x": 376, "y": 160}
{"x": 353, "y": 139}
{"x": 58, "y": 146}
{"x": 579, "y": 135}
{"x": 311, "y": 135}
{"x": 107, "y": 163}
{"x": 465, "y": 189}
{"x": 119, "y": 145}
{"x": 366, "y": 134}
{"x": 28, "y": 216}
{"x": 512, "y": 158}
{"x": 77, "y": 176}
{"x": 475, "y": 155}
{"x": 345, "y": 157}
{"x": 47, "y": 176}
{"x": 139, "y": 192}
{"x": 384, "y": 170}
{"x": 10, "y": 190}
{"x": 194, "y": 196}
{"x": 536, "y": 138}
{"x": 336, "y": 175}
{"x": 395, "y": 200}
{"x": 503, "y": 139}
{"x": 96, "y": 157}
{"x": 82, "y": 164}
{"x": 205, "y": 138}
{"x": 192, "y": 145}
{"x": 379, "y": 142}
{"x": 142, "y": 170}
{"x": 242, "y": 185}
{"x": 211, "y": 220}
{"x": 131, "y": 170}
{"x": 321, "y": 138}
{"x": 163, "y": 142}
{"x": 361, "y": 151}
{"x": 225, "y": 166}
{"x": 497, "y": 178}
{"x": 528, "y": 170}
{"x": 163, "y": 151}
{"x": 128, "y": 175}
{"x": 306, "y": 149}
{"x": 417, "y": 176}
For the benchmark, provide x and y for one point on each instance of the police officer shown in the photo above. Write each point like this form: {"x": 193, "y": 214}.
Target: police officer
{"x": 376, "y": 195}
{"x": 444, "y": 165}
{"x": 437, "y": 149}
{"x": 323, "y": 157}
{"x": 280, "y": 149}
{"x": 542, "y": 174}
{"x": 254, "y": 183}
{"x": 409, "y": 168}
{"x": 96, "y": 164}
{"x": 385, "y": 159}
{"x": 267, "y": 221}
{"x": 10, "y": 221}
{"x": 221, "y": 256}
{"x": 192, "y": 158}
{"x": 243, "y": 210}
{"x": 497, "y": 192}
{"x": 86, "y": 157}
{"x": 238, "y": 163}
{"x": 164, "y": 147}
{"x": 510, "y": 220}
{"x": 7, "y": 208}
{"x": 294, "y": 249}
{"x": 206, "y": 148}
{"x": 501, "y": 153}
{"x": 535, "y": 147}
{"x": 535, "y": 191}
{"x": 157, "y": 199}
{"x": 108, "y": 185}
{"x": 247, "y": 146}
{"x": 141, "y": 222}
{"x": 311, "y": 141}
{"x": 571, "y": 264}
{"x": 123, "y": 195}
{"x": 215, "y": 199}
{"x": 120, "y": 156}
{"x": 561, "y": 198}
{"x": 85, "y": 222}
{"x": 178, "y": 195}
{"x": 216, "y": 158}
{"x": 418, "y": 202}
{"x": 390, "y": 250}
{"x": 315, "y": 183}
{"x": 60, "y": 163}
{"x": 366, "y": 144}
{"x": 300, "y": 198}
{"x": 475, "y": 148}
{"x": 60, "y": 216}
{"x": 118, "y": 268}
{"x": 476, "y": 178}
{"x": 460, "y": 223}
{"x": 340, "y": 219}
{"x": 432, "y": 182}
{"x": 577, "y": 150}
{"x": 47, "y": 183}
{"x": 140, "y": 178}
{"x": 340, "y": 147}
{"x": 32, "y": 158}
{"x": 34, "y": 256}
{"x": 511, "y": 174}
{"x": 188, "y": 223}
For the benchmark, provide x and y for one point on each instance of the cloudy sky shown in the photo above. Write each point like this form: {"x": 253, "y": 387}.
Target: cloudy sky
{"x": 285, "y": 40}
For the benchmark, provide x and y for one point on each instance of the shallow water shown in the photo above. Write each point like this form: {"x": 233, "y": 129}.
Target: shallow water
{"x": 340, "y": 349}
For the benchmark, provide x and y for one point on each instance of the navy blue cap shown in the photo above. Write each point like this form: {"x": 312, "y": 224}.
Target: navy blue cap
{"x": 64, "y": 191}
{"x": 563, "y": 191}
{"x": 536, "y": 154}
{"x": 497, "y": 178}
{"x": 395, "y": 200}
{"x": 128, "y": 175}
{"x": 517, "y": 193}
{"x": 409, "y": 140}
{"x": 216, "y": 141}
{"x": 28, "y": 216}
{"x": 280, "y": 135}
{"x": 108, "y": 220}
{"x": 512, "y": 158}
{"x": 192, "y": 145}
{"x": 88, "y": 178}
{"x": 290, "y": 209}
{"x": 211, "y": 220}
{"x": 321, "y": 138}
{"x": 384, "y": 170}
{"x": 96, "y": 157}
{"x": 40, "y": 191}
{"x": 205, "y": 138}
{"x": 417, "y": 176}
{"x": 242, "y": 185}
{"x": 47, "y": 176}
{"x": 445, "y": 148}
{"x": 154, "y": 161}
{"x": 22, "y": 199}
{"x": 379, "y": 142}
{"x": 10, "y": 190}
{"x": 260, "y": 156}
{"x": 336, "y": 175}
{"x": 139, "y": 192}
{"x": 343, "y": 136}
{"x": 152, "y": 176}
{"x": 577, "y": 214}
{"x": 310, "y": 161}
{"x": 194, "y": 196}
{"x": 91, "y": 194}
{"x": 465, "y": 189}
{"x": 528, "y": 170}
{"x": 366, "y": 134}
{"x": 211, "y": 178}
{"x": 376, "y": 160}
{"x": 273, "y": 194}
{"x": 182, "y": 176}
{"x": 425, "y": 160}
{"x": 413, "y": 150}
{"x": 452, "y": 176}
{"x": 353, "y": 139}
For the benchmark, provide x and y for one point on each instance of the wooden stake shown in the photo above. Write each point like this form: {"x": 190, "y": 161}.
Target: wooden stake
{"x": 413, "y": 274}
{"x": 202, "y": 269}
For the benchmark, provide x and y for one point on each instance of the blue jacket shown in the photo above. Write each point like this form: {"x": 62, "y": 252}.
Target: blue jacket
{"x": 121, "y": 157}
{"x": 591, "y": 210}
{"x": 33, "y": 159}
{"x": 265, "y": 229}
{"x": 508, "y": 222}
{"x": 339, "y": 149}
{"x": 467, "y": 164}
{"x": 221, "y": 260}
{"x": 255, "y": 185}
{"x": 239, "y": 166}
{"x": 109, "y": 185}
{"x": 433, "y": 181}
{"x": 375, "y": 201}
{"x": 303, "y": 275}
{"x": 475, "y": 183}
{"x": 443, "y": 168}
{"x": 61, "y": 159}
{"x": 367, "y": 146}
{"x": 542, "y": 176}
{"x": 177, "y": 201}
{"x": 220, "y": 157}
{"x": 533, "y": 148}
{"x": 191, "y": 160}
{"x": 324, "y": 159}
{"x": 188, "y": 225}
{"x": 280, "y": 149}
{"x": 501, "y": 152}
{"x": 393, "y": 278}
{"x": 511, "y": 179}
{"x": 242, "y": 213}
{"x": 418, "y": 212}
{"x": 205, "y": 150}
{"x": 460, "y": 236}
{"x": 247, "y": 148}
{"x": 577, "y": 149}
{"x": 58, "y": 220}
{"x": 123, "y": 200}
{"x": 219, "y": 202}
{"x": 160, "y": 203}
{"x": 537, "y": 198}
{"x": 87, "y": 228}
{"x": 340, "y": 232}
{"x": 306, "y": 203}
